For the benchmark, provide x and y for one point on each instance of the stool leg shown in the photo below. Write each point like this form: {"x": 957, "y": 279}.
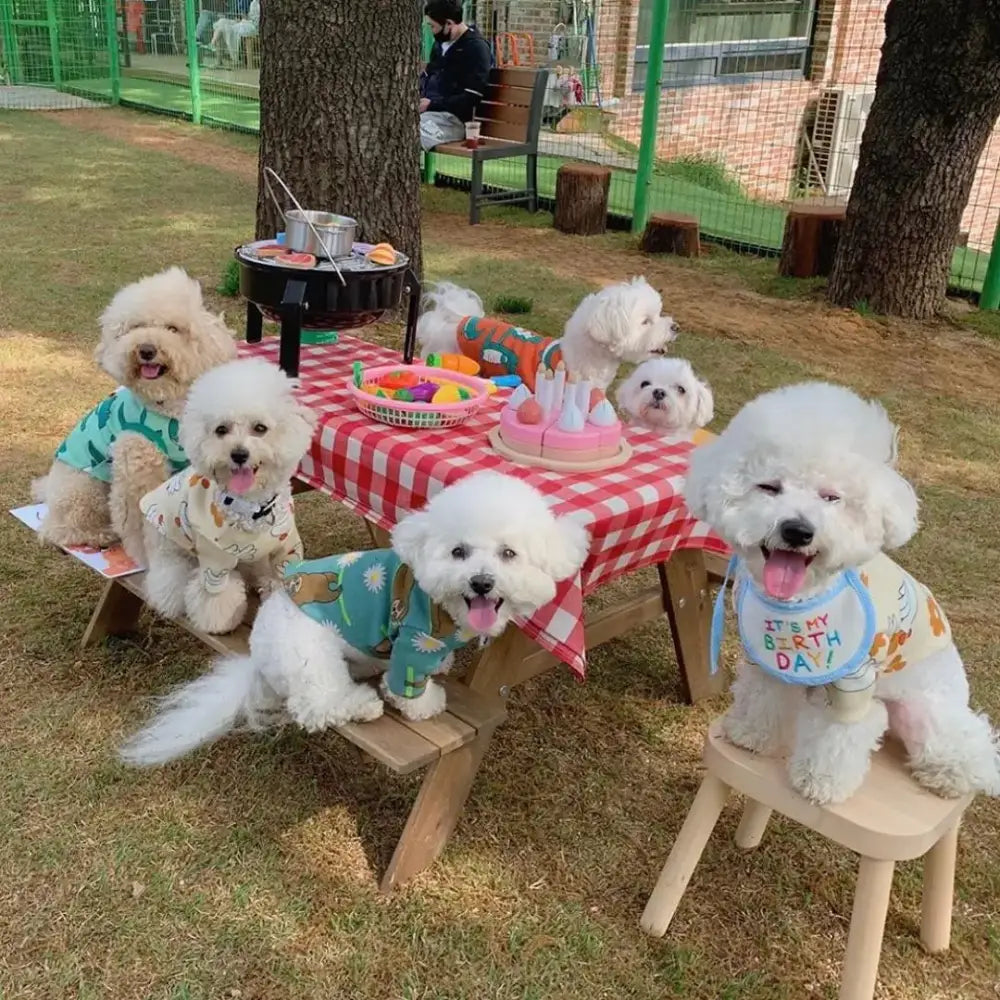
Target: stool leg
{"x": 939, "y": 888}
{"x": 684, "y": 856}
{"x": 864, "y": 942}
{"x": 753, "y": 823}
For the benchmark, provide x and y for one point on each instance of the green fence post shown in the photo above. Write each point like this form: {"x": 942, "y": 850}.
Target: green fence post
{"x": 989, "y": 298}
{"x": 194, "y": 70}
{"x": 426, "y": 44}
{"x": 650, "y": 115}
{"x": 114, "y": 56}
{"x": 50, "y": 16}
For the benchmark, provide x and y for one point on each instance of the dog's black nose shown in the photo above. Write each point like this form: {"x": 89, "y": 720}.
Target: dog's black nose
{"x": 147, "y": 352}
{"x": 796, "y": 532}
{"x": 659, "y": 394}
{"x": 481, "y": 584}
{"x": 240, "y": 456}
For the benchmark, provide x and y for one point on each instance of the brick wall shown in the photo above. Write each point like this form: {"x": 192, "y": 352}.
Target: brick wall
{"x": 755, "y": 127}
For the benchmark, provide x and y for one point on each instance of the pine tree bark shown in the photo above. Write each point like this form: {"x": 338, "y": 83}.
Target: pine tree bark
{"x": 338, "y": 114}
{"x": 937, "y": 99}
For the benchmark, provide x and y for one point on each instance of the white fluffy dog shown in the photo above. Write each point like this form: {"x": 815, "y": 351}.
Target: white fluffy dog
{"x": 157, "y": 337}
{"x": 483, "y": 551}
{"x": 839, "y": 643}
{"x": 622, "y": 322}
{"x": 665, "y": 395}
{"x": 227, "y": 519}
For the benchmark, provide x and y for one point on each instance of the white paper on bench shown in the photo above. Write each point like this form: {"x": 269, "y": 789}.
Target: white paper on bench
{"x": 110, "y": 563}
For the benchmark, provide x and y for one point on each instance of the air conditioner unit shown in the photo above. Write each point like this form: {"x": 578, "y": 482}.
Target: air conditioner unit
{"x": 841, "y": 114}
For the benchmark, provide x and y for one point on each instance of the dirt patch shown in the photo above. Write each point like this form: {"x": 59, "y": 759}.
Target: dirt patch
{"x": 936, "y": 356}
{"x": 186, "y": 142}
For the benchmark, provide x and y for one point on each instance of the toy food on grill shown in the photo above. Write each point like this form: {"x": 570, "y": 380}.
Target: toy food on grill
{"x": 382, "y": 253}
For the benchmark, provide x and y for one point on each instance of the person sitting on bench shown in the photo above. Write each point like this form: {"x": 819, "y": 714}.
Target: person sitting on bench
{"x": 455, "y": 79}
{"x": 231, "y": 31}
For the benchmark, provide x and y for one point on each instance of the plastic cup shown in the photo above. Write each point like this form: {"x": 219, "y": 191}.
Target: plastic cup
{"x": 472, "y": 131}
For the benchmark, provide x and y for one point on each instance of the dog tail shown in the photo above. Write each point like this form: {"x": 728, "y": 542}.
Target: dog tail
{"x": 40, "y": 489}
{"x": 443, "y": 306}
{"x": 196, "y": 713}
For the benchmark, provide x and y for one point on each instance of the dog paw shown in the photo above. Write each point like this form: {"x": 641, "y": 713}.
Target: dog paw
{"x": 315, "y": 716}
{"x": 425, "y": 706}
{"x": 216, "y": 613}
{"x": 822, "y": 788}
{"x": 741, "y": 732}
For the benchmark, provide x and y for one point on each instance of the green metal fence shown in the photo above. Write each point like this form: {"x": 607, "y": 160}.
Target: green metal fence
{"x": 728, "y": 110}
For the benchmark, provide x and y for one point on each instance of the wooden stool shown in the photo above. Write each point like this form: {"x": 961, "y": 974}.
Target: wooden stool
{"x": 810, "y": 241}
{"x": 890, "y": 819}
{"x": 582, "y": 198}
{"x": 669, "y": 232}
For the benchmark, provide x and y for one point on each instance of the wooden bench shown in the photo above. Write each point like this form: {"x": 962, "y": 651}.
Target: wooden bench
{"x": 511, "y": 117}
{"x": 450, "y": 746}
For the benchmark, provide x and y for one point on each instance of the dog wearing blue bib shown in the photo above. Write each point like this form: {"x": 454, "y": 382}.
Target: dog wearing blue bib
{"x": 838, "y": 644}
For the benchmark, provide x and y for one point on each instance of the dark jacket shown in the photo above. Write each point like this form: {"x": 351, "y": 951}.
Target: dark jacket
{"x": 456, "y": 80}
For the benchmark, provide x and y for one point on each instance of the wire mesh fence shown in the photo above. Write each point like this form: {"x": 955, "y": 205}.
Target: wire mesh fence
{"x": 755, "y": 106}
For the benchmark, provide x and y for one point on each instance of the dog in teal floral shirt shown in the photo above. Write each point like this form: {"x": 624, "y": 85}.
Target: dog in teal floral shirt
{"x": 484, "y": 551}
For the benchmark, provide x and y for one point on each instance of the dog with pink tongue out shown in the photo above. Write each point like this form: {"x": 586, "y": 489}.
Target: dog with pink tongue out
{"x": 225, "y": 523}
{"x": 839, "y": 645}
{"x": 484, "y": 551}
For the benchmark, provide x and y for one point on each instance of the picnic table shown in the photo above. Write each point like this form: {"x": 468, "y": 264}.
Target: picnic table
{"x": 636, "y": 516}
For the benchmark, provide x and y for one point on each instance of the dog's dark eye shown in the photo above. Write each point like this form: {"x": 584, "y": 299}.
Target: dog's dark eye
{"x": 644, "y": 385}
{"x": 222, "y": 430}
{"x": 681, "y": 391}
{"x": 773, "y": 488}
{"x": 172, "y": 329}
{"x": 506, "y": 554}
{"x": 829, "y": 496}
{"x": 459, "y": 552}
{"x": 260, "y": 428}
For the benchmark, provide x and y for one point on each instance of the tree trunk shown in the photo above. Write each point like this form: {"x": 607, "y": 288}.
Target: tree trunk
{"x": 338, "y": 114}
{"x": 582, "y": 198}
{"x": 671, "y": 232}
{"x": 809, "y": 246}
{"x": 937, "y": 99}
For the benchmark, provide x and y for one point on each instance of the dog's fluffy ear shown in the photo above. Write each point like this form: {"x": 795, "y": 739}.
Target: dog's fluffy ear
{"x": 698, "y": 483}
{"x": 899, "y": 506}
{"x": 566, "y": 548}
{"x": 704, "y": 406}
{"x": 411, "y": 535}
{"x": 607, "y": 319}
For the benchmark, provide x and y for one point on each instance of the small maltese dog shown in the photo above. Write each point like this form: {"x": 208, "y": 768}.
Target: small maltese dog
{"x": 622, "y": 322}
{"x": 839, "y": 644}
{"x": 157, "y": 337}
{"x": 483, "y": 551}
{"x": 227, "y": 519}
{"x": 665, "y": 395}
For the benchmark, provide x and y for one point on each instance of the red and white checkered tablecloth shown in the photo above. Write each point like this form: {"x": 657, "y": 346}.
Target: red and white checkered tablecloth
{"x": 635, "y": 513}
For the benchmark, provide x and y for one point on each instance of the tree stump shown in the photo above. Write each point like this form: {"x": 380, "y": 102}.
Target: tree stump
{"x": 582, "y": 198}
{"x": 668, "y": 232}
{"x": 810, "y": 241}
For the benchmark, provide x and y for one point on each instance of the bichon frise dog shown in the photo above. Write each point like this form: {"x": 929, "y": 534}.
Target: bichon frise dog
{"x": 665, "y": 395}
{"x": 227, "y": 519}
{"x": 622, "y": 322}
{"x": 839, "y": 644}
{"x": 483, "y": 551}
{"x": 157, "y": 337}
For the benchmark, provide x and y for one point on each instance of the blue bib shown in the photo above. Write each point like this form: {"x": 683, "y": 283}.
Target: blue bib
{"x": 811, "y": 642}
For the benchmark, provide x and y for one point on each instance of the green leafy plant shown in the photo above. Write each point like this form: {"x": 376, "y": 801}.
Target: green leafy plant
{"x": 512, "y": 304}
{"x": 229, "y": 285}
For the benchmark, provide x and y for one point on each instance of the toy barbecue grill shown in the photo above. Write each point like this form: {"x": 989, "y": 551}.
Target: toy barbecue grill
{"x": 331, "y": 285}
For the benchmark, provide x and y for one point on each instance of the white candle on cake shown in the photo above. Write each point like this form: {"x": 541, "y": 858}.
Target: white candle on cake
{"x": 560, "y": 385}
{"x": 583, "y": 394}
{"x": 543, "y": 390}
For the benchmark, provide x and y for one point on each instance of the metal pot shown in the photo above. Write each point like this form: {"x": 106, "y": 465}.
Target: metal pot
{"x": 322, "y": 234}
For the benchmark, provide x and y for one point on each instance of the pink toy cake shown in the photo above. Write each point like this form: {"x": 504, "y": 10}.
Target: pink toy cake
{"x": 566, "y": 424}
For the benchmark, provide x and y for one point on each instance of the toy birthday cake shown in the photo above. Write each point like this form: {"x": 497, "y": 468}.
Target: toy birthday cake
{"x": 565, "y": 424}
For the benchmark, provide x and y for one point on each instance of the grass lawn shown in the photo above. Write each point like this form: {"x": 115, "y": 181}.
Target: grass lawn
{"x": 249, "y": 871}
